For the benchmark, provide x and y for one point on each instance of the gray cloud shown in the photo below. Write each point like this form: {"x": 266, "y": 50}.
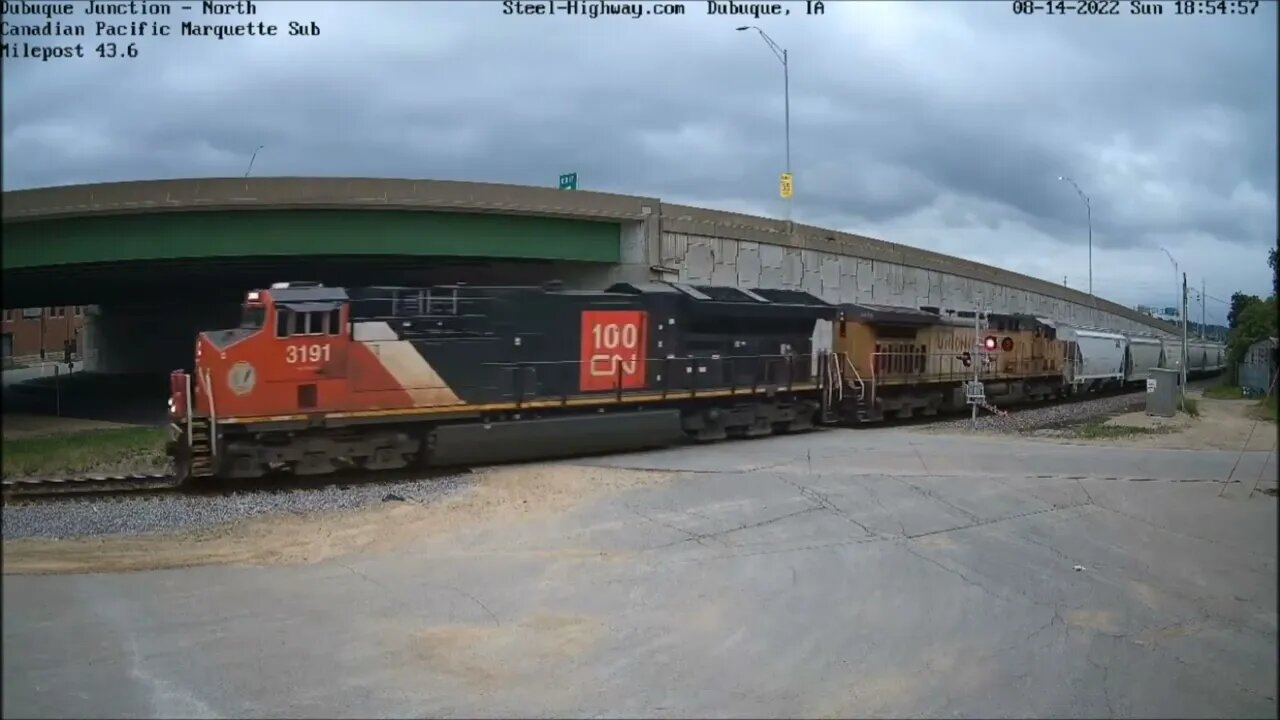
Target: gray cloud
{"x": 939, "y": 124}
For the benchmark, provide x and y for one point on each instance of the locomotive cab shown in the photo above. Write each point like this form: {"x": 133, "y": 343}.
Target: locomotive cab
{"x": 288, "y": 355}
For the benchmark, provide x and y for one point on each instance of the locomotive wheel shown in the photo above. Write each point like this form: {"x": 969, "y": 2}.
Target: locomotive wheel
{"x": 181, "y": 455}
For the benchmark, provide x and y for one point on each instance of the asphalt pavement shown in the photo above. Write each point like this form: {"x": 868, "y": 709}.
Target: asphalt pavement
{"x": 864, "y": 573}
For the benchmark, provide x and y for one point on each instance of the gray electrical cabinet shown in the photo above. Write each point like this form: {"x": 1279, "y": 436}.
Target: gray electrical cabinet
{"x": 1162, "y": 392}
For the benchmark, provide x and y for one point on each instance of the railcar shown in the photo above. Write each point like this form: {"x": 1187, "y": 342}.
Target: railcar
{"x": 1097, "y": 357}
{"x": 319, "y": 378}
{"x": 1142, "y": 353}
{"x": 1204, "y": 358}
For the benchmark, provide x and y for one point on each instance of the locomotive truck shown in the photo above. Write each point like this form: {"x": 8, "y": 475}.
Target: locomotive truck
{"x": 316, "y": 379}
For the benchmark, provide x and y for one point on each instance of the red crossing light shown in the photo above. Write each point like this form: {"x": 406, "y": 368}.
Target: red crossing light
{"x": 989, "y": 343}
{"x": 1007, "y": 344}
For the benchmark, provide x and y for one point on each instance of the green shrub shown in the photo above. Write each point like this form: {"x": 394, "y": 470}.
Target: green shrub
{"x": 1225, "y": 392}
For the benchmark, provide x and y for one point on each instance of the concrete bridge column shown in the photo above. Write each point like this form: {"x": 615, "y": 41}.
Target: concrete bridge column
{"x": 640, "y": 252}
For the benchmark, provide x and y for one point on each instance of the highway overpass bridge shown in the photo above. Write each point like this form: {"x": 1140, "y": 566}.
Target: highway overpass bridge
{"x": 161, "y": 259}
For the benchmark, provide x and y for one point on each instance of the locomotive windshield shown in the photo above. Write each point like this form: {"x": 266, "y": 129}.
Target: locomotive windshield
{"x": 252, "y": 318}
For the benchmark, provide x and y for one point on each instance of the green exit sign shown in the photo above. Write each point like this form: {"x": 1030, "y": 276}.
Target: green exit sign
{"x": 569, "y": 181}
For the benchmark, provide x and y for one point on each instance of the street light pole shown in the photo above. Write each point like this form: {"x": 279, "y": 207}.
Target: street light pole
{"x": 1184, "y": 339}
{"x": 781, "y": 53}
{"x": 1181, "y": 278}
{"x": 251, "y": 159}
{"x": 1088, "y": 209}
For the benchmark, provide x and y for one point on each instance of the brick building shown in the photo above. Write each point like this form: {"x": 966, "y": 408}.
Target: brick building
{"x": 27, "y": 331}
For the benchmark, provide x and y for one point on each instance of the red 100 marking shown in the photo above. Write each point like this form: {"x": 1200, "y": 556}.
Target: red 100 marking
{"x": 612, "y": 349}
{"x": 608, "y": 336}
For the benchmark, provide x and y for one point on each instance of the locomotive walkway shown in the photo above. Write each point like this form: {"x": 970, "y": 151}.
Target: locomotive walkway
{"x": 855, "y": 574}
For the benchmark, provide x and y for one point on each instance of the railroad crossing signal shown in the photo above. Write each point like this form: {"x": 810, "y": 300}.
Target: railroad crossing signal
{"x": 785, "y": 186}
{"x": 989, "y": 343}
{"x": 569, "y": 181}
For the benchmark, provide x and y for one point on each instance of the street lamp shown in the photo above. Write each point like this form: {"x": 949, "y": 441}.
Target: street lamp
{"x": 781, "y": 54}
{"x": 251, "y": 159}
{"x": 1182, "y": 310}
{"x": 1088, "y": 208}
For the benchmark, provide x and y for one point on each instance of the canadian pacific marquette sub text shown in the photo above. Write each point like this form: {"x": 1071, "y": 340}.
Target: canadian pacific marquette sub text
{"x": 137, "y": 28}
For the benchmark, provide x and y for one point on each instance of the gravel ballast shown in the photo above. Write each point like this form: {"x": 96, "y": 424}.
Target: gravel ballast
{"x": 79, "y": 517}
{"x": 1050, "y": 416}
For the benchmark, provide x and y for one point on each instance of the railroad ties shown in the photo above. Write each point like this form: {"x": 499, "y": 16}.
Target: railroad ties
{"x": 91, "y": 484}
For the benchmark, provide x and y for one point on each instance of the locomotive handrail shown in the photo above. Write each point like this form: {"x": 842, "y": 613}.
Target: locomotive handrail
{"x": 873, "y": 379}
{"x": 768, "y": 370}
{"x": 950, "y": 366}
{"x": 213, "y": 415}
{"x": 190, "y": 420}
{"x": 769, "y": 356}
{"x": 857, "y": 376}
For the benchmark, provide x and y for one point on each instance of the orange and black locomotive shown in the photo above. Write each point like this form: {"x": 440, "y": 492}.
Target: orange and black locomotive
{"x": 319, "y": 378}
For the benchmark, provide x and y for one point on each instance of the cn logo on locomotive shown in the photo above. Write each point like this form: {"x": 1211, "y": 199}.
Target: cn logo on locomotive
{"x": 241, "y": 378}
{"x": 612, "y": 349}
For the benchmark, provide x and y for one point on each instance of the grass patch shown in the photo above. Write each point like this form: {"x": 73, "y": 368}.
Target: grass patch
{"x": 1190, "y": 406}
{"x": 1225, "y": 392}
{"x": 134, "y": 449}
{"x": 1098, "y": 430}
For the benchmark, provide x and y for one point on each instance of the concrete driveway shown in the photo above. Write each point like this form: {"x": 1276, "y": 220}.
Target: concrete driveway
{"x": 838, "y": 573}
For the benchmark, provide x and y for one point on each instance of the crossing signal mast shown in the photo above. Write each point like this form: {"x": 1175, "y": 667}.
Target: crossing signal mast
{"x": 984, "y": 349}
{"x": 975, "y": 393}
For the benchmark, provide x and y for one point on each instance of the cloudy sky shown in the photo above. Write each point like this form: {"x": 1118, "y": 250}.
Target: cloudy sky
{"x": 943, "y": 125}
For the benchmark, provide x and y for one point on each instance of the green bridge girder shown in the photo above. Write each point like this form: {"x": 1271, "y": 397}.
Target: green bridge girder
{"x": 47, "y": 244}
{"x": 214, "y": 255}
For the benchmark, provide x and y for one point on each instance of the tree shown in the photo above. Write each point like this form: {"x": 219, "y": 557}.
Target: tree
{"x": 1239, "y": 301}
{"x": 1255, "y": 322}
{"x": 1275, "y": 272}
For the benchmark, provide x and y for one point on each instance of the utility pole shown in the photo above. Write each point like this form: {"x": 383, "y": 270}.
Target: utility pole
{"x": 1184, "y": 340}
{"x": 1202, "y": 298}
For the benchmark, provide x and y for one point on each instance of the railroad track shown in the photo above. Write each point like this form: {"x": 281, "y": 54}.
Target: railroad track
{"x": 151, "y": 486}
{"x": 159, "y": 484}
{"x": 31, "y": 488}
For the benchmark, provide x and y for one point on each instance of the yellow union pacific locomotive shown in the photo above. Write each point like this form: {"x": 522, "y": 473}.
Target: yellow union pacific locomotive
{"x": 902, "y": 361}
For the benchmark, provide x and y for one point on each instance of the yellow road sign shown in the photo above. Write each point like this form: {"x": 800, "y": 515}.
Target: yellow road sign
{"x": 785, "y": 187}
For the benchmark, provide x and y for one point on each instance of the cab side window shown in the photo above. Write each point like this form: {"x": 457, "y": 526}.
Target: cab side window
{"x": 291, "y": 323}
